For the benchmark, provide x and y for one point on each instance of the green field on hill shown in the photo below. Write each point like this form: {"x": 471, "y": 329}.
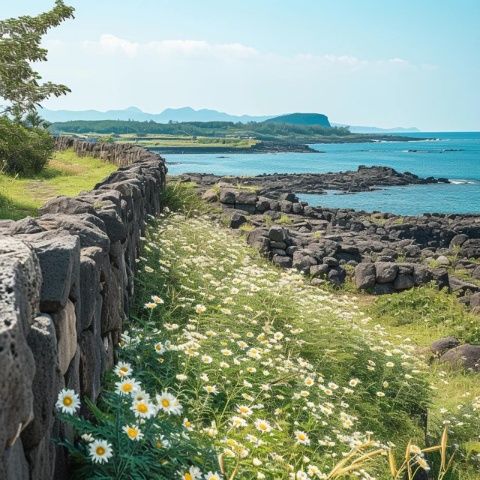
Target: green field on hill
{"x": 175, "y": 141}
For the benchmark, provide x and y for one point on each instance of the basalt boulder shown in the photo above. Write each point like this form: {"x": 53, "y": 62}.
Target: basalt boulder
{"x": 464, "y": 356}
{"x": 365, "y": 276}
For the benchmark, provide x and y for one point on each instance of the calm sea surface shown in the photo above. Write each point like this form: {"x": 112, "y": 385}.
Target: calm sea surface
{"x": 454, "y": 155}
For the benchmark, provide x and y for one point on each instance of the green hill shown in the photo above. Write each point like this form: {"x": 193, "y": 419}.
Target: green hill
{"x": 301, "y": 119}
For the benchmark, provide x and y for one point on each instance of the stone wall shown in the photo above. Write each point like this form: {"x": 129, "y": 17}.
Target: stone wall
{"x": 66, "y": 280}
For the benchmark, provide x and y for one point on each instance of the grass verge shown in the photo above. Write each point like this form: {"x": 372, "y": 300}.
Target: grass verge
{"x": 66, "y": 174}
{"x": 421, "y": 316}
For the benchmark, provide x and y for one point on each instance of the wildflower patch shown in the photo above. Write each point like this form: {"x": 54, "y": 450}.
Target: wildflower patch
{"x": 234, "y": 369}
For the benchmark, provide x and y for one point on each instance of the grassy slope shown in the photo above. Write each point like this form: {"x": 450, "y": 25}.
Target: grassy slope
{"x": 421, "y": 316}
{"x": 418, "y": 317}
{"x": 66, "y": 174}
{"x": 266, "y": 339}
{"x": 263, "y": 336}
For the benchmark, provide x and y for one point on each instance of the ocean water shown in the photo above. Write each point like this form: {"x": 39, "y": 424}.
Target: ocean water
{"x": 453, "y": 155}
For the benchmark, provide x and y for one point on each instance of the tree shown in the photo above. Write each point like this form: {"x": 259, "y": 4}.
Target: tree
{"x": 33, "y": 120}
{"x": 23, "y": 151}
{"x": 20, "y": 38}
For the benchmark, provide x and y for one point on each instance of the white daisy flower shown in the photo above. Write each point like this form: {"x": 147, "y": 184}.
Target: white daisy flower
{"x": 199, "y": 309}
{"x": 193, "y": 473}
{"x": 133, "y": 432}
{"x": 213, "y": 476}
{"x": 100, "y": 451}
{"x": 123, "y": 369}
{"x": 162, "y": 442}
{"x": 244, "y": 410}
{"x": 211, "y": 389}
{"x": 263, "y": 426}
{"x": 68, "y": 401}
{"x": 238, "y": 422}
{"x": 302, "y": 438}
{"x": 309, "y": 381}
{"x": 187, "y": 424}
{"x": 168, "y": 403}
{"x": 143, "y": 409}
{"x": 354, "y": 382}
{"x": 127, "y": 386}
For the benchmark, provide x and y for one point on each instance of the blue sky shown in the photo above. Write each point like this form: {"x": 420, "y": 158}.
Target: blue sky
{"x": 368, "y": 62}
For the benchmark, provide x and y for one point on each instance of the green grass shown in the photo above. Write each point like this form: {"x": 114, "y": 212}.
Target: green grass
{"x": 284, "y": 220}
{"x": 425, "y": 313}
{"x": 259, "y": 337}
{"x": 66, "y": 174}
{"x": 180, "y": 141}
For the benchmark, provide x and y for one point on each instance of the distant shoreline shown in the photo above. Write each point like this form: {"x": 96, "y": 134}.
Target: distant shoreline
{"x": 280, "y": 147}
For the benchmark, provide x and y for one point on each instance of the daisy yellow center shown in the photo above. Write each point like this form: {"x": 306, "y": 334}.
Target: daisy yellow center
{"x": 262, "y": 426}
{"x": 132, "y": 432}
{"x": 166, "y": 404}
{"x": 142, "y": 408}
{"x": 127, "y": 387}
{"x": 100, "y": 451}
{"x": 124, "y": 369}
{"x": 188, "y": 424}
{"x": 301, "y": 436}
{"x": 187, "y": 476}
{"x": 67, "y": 401}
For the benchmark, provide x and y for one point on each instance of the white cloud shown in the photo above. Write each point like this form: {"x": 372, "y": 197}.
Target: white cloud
{"x": 108, "y": 44}
{"x": 111, "y": 44}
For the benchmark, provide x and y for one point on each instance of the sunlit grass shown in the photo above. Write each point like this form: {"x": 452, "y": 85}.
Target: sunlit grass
{"x": 180, "y": 141}
{"x": 66, "y": 174}
{"x": 423, "y": 315}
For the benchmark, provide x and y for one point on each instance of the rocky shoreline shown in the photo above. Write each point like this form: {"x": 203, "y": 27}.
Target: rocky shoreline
{"x": 381, "y": 252}
{"x": 361, "y": 180}
{"x": 261, "y": 147}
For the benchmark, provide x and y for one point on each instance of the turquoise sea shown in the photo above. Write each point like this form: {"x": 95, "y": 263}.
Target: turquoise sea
{"x": 454, "y": 155}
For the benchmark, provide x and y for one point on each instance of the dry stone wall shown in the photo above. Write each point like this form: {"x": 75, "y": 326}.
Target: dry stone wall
{"x": 66, "y": 281}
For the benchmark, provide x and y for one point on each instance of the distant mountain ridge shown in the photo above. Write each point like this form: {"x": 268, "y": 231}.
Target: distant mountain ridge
{"x": 185, "y": 114}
